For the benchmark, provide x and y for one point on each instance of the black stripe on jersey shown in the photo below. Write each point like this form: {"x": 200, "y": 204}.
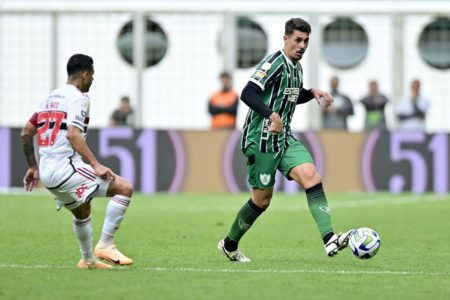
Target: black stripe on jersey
{"x": 289, "y": 116}
{"x": 275, "y": 143}
{"x": 277, "y": 71}
{"x": 272, "y": 77}
{"x": 63, "y": 126}
{"x": 283, "y": 107}
{"x": 287, "y": 65}
{"x": 301, "y": 71}
{"x": 275, "y": 90}
{"x": 295, "y": 78}
{"x": 289, "y": 108}
{"x": 274, "y": 56}
{"x": 248, "y": 120}
{"x": 264, "y": 134}
{"x": 280, "y": 113}
{"x": 288, "y": 128}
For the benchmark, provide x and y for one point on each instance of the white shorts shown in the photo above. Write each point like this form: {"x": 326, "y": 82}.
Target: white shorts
{"x": 79, "y": 188}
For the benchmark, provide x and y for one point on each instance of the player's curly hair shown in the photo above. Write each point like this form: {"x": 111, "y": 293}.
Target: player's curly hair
{"x": 79, "y": 62}
{"x": 296, "y": 24}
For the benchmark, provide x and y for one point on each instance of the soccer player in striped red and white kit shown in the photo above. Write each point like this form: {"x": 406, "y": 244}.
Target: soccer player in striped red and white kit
{"x": 60, "y": 123}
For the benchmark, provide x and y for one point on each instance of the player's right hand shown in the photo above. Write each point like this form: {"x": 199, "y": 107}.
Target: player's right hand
{"x": 31, "y": 178}
{"x": 275, "y": 123}
{"x": 104, "y": 172}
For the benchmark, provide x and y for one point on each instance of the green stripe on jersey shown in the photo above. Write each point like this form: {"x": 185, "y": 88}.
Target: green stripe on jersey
{"x": 281, "y": 82}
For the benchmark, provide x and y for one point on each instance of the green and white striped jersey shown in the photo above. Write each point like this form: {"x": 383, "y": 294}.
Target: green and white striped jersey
{"x": 281, "y": 82}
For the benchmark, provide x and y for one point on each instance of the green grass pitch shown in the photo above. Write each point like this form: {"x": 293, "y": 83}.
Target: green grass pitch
{"x": 173, "y": 240}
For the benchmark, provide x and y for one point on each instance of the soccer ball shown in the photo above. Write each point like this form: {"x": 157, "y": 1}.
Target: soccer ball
{"x": 364, "y": 242}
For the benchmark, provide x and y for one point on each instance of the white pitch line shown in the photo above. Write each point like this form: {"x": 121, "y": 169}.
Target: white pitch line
{"x": 346, "y": 272}
{"x": 205, "y": 270}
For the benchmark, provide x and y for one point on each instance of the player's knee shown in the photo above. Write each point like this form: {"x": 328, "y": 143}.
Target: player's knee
{"x": 262, "y": 202}
{"x": 265, "y": 204}
{"x": 311, "y": 179}
{"x": 127, "y": 189}
{"x": 82, "y": 212}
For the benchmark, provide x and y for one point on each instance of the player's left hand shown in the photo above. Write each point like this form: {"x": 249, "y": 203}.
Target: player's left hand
{"x": 104, "y": 172}
{"x": 31, "y": 178}
{"x": 322, "y": 94}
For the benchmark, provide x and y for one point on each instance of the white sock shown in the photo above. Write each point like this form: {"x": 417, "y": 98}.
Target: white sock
{"x": 83, "y": 232}
{"x": 115, "y": 212}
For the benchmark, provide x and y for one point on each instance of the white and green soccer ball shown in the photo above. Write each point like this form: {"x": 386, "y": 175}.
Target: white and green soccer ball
{"x": 364, "y": 242}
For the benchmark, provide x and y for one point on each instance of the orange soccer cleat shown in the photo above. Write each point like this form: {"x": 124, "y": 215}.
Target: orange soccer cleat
{"x": 112, "y": 254}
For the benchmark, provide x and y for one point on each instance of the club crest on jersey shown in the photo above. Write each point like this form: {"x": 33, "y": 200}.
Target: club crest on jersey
{"x": 266, "y": 66}
{"x": 292, "y": 93}
{"x": 265, "y": 178}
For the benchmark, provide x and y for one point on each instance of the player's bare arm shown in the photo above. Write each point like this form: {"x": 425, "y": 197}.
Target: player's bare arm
{"x": 80, "y": 146}
{"x": 317, "y": 93}
{"x": 31, "y": 178}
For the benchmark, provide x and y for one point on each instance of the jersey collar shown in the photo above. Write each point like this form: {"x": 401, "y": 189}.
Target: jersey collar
{"x": 288, "y": 59}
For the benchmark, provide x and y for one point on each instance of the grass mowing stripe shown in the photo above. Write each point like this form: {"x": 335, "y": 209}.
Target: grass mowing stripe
{"x": 197, "y": 208}
{"x": 205, "y": 270}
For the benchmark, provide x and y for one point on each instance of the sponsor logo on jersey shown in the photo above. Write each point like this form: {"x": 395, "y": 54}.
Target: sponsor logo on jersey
{"x": 265, "y": 178}
{"x": 260, "y": 74}
{"x": 292, "y": 93}
{"x": 79, "y": 191}
{"x": 266, "y": 127}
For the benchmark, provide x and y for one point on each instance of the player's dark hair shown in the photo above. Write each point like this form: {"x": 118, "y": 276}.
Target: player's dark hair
{"x": 225, "y": 74}
{"x": 79, "y": 62}
{"x": 296, "y": 24}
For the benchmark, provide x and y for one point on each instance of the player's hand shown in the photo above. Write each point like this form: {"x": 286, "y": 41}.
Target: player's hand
{"x": 31, "y": 178}
{"x": 104, "y": 172}
{"x": 275, "y": 123}
{"x": 323, "y": 98}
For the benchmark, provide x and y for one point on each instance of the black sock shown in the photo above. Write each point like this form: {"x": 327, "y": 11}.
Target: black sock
{"x": 327, "y": 237}
{"x": 244, "y": 219}
{"x": 230, "y": 245}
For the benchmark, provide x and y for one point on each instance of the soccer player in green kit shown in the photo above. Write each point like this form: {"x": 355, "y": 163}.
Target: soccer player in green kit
{"x": 272, "y": 93}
